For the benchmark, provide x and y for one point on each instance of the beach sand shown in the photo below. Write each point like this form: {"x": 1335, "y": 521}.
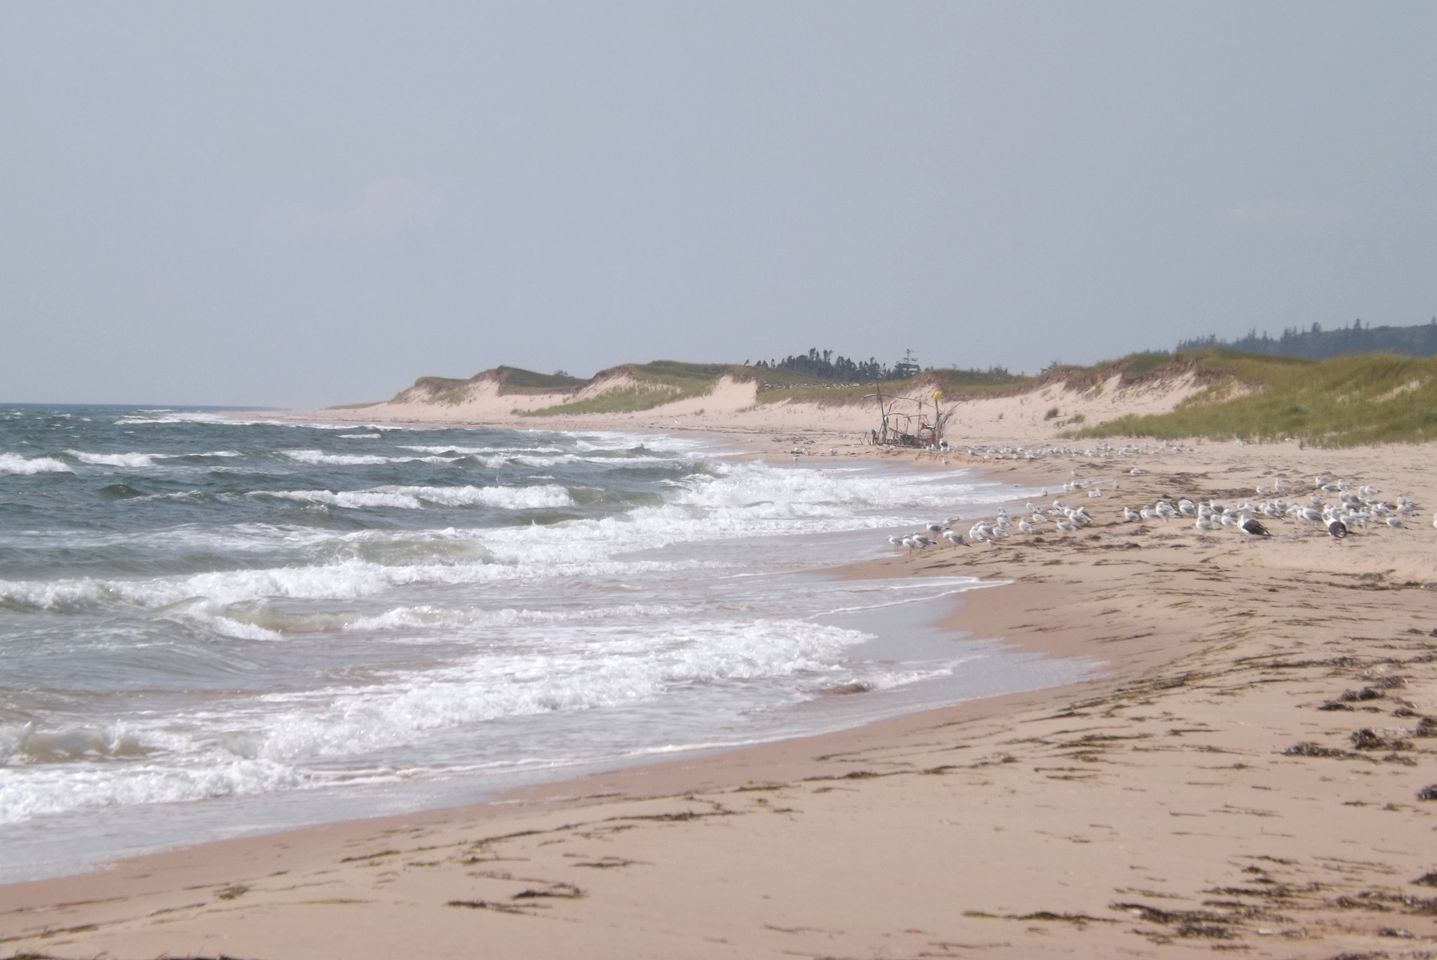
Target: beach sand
{"x": 1252, "y": 772}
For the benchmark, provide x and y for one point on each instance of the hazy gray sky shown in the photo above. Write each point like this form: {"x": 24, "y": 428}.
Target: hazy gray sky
{"x": 310, "y": 203}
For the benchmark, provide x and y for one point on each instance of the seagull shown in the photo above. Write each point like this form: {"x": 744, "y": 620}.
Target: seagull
{"x": 1337, "y": 528}
{"x": 1131, "y": 516}
{"x": 955, "y": 538}
{"x": 1252, "y": 527}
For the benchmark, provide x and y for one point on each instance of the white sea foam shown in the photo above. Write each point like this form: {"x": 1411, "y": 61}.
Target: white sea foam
{"x": 614, "y": 440}
{"x": 209, "y": 418}
{"x": 548, "y": 496}
{"x": 157, "y": 417}
{"x": 320, "y": 458}
{"x": 226, "y": 626}
{"x": 429, "y": 617}
{"x": 22, "y": 743}
{"x": 743, "y": 501}
{"x": 229, "y": 541}
{"x": 597, "y": 667}
{"x": 16, "y": 464}
{"x": 268, "y": 743}
{"x": 61, "y": 789}
{"x": 307, "y": 652}
{"x": 317, "y": 457}
{"x": 526, "y": 460}
{"x": 346, "y": 580}
{"x": 129, "y": 460}
{"x": 463, "y": 451}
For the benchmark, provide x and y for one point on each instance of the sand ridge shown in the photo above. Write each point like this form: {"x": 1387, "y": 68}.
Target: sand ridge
{"x": 732, "y": 407}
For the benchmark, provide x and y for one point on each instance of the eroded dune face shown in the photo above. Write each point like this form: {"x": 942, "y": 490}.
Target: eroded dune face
{"x": 732, "y": 404}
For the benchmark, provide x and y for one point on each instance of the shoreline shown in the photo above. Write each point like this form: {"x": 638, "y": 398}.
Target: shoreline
{"x": 1150, "y": 809}
{"x": 830, "y": 712}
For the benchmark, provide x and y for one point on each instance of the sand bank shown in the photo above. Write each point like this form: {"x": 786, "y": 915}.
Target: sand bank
{"x": 731, "y": 408}
{"x": 1254, "y": 772}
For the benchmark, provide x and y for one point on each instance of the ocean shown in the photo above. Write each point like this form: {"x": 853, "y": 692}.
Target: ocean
{"x": 215, "y": 624}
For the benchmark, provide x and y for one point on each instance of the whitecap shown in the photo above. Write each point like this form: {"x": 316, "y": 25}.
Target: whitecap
{"x": 128, "y": 460}
{"x": 16, "y": 464}
{"x": 318, "y": 457}
{"x": 162, "y": 417}
{"x": 545, "y": 496}
{"x": 53, "y": 790}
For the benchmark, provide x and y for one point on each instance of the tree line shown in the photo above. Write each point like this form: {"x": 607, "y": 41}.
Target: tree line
{"x": 1316, "y": 343}
{"x": 824, "y": 365}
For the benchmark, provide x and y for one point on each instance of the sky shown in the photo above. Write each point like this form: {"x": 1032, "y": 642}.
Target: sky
{"x": 299, "y": 204}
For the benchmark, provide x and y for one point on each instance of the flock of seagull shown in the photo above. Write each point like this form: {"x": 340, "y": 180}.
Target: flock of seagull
{"x": 1099, "y": 451}
{"x": 1338, "y": 505}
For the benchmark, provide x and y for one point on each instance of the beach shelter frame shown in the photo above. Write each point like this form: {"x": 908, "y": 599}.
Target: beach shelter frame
{"x": 910, "y": 421}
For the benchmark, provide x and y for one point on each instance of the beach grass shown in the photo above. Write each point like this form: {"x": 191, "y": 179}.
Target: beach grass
{"x": 644, "y": 386}
{"x": 519, "y": 380}
{"x": 1342, "y": 402}
{"x": 449, "y": 391}
{"x": 776, "y": 386}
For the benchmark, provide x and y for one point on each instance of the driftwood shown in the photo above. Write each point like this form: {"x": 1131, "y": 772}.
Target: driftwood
{"x": 910, "y": 421}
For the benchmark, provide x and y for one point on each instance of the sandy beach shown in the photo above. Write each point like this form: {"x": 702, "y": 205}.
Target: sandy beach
{"x": 1253, "y": 771}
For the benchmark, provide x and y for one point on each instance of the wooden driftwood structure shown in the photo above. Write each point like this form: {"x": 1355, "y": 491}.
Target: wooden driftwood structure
{"x": 910, "y": 421}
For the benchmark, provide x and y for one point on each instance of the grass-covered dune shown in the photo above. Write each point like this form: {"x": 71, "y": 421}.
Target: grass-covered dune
{"x": 1342, "y": 402}
{"x": 638, "y": 386}
{"x": 1346, "y": 401}
{"x": 643, "y": 386}
{"x": 513, "y": 380}
{"x": 634, "y": 387}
